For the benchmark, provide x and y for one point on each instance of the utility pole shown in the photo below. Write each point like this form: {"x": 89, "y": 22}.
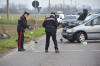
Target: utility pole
{"x": 71, "y": 6}
{"x": 49, "y": 6}
{"x": 93, "y": 8}
{"x": 75, "y": 4}
{"x": 93, "y": 5}
{"x": 63, "y": 5}
{"x": 7, "y": 9}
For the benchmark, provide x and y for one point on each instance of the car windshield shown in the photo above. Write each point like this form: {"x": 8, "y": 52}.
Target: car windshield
{"x": 70, "y": 17}
{"x": 57, "y": 16}
{"x": 88, "y": 18}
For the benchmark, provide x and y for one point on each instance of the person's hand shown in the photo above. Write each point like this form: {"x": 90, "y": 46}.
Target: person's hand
{"x": 29, "y": 27}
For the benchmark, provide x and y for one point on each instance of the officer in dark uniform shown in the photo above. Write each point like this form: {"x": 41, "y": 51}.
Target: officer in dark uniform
{"x": 50, "y": 24}
{"x": 22, "y": 25}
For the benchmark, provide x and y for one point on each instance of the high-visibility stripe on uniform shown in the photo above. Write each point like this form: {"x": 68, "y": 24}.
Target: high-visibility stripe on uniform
{"x": 50, "y": 19}
{"x": 20, "y": 38}
{"x": 19, "y": 18}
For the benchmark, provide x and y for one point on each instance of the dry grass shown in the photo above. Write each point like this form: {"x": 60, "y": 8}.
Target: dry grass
{"x": 12, "y": 28}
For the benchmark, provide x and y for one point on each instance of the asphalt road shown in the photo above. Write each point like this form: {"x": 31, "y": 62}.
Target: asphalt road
{"x": 71, "y": 54}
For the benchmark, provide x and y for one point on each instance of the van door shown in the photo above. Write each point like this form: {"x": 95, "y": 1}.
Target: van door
{"x": 58, "y": 18}
{"x": 94, "y": 29}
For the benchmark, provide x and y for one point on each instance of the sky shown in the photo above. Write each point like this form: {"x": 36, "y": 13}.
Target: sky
{"x": 44, "y": 3}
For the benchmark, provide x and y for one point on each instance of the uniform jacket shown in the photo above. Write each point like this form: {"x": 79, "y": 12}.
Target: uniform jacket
{"x": 50, "y": 24}
{"x": 22, "y": 24}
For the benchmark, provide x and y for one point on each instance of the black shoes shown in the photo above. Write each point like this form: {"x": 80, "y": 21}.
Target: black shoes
{"x": 46, "y": 51}
{"x": 21, "y": 49}
{"x": 56, "y": 51}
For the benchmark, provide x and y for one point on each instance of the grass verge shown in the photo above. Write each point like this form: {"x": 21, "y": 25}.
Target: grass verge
{"x": 6, "y": 44}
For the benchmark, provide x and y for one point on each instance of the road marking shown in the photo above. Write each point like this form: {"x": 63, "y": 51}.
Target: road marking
{"x": 68, "y": 50}
{"x": 74, "y": 50}
{"x": 94, "y": 50}
{"x": 7, "y": 55}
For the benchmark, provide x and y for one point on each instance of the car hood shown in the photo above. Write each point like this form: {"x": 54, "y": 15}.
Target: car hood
{"x": 78, "y": 21}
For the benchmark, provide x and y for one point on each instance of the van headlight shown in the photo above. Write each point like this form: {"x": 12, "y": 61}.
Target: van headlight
{"x": 69, "y": 30}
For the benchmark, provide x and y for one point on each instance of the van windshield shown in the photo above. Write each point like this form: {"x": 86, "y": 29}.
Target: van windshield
{"x": 89, "y": 18}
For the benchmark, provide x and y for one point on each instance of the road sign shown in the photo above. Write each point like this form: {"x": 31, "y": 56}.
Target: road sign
{"x": 39, "y": 8}
{"x": 35, "y": 4}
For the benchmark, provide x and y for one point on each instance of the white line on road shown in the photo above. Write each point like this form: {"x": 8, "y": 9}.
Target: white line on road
{"x": 94, "y": 50}
{"x": 68, "y": 50}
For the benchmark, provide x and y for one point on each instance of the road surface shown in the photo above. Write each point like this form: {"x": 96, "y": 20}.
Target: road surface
{"x": 71, "y": 54}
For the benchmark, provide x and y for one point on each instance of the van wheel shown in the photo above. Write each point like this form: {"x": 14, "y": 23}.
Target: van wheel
{"x": 71, "y": 40}
{"x": 80, "y": 37}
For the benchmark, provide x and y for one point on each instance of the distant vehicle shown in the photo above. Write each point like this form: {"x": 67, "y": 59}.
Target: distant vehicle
{"x": 68, "y": 19}
{"x": 89, "y": 29}
{"x": 60, "y": 17}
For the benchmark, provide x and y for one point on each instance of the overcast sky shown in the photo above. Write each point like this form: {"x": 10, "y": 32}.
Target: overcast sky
{"x": 44, "y": 3}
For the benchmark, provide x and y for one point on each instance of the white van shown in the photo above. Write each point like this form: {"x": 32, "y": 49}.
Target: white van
{"x": 60, "y": 17}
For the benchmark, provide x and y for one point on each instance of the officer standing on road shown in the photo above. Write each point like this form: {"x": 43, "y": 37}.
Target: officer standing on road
{"x": 22, "y": 25}
{"x": 50, "y": 24}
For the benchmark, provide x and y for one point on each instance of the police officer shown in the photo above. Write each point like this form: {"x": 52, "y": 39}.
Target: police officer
{"x": 50, "y": 24}
{"x": 22, "y": 25}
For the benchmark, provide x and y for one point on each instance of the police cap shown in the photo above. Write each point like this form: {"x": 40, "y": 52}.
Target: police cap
{"x": 53, "y": 13}
{"x": 26, "y": 13}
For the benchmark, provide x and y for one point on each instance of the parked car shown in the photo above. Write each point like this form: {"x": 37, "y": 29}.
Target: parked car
{"x": 89, "y": 29}
{"x": 68, "y": 19}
